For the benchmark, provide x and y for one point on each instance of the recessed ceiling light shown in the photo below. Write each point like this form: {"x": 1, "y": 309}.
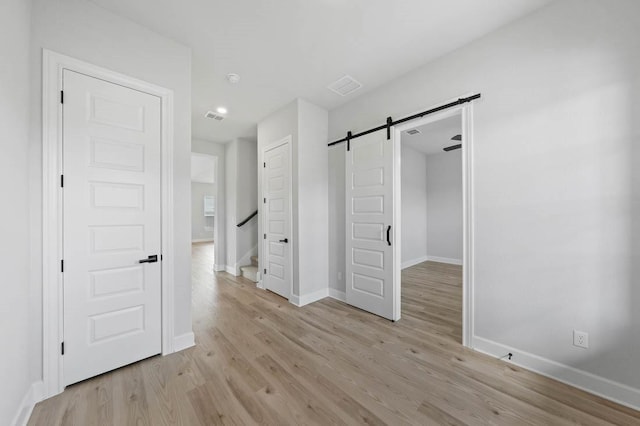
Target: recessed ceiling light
{"x": 221, "y": 110}
{"x": 233, "y": 78}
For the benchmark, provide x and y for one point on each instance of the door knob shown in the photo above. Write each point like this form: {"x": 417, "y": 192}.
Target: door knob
{"x": 150, "y": 259}
{"x": 286, "y": 240}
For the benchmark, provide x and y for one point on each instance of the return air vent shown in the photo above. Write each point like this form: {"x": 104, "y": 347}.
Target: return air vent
{"x": 211, "y": 114}
{"x": 413, "y": 132}
{"x": 345, "y": 85}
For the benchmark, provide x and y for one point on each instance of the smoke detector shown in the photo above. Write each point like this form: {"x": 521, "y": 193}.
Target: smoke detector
{"x": 215, "y": 116}
{"x": 413, "y": 132}
{"x": 345, "y": 85}
{"x": 233, "y": 78}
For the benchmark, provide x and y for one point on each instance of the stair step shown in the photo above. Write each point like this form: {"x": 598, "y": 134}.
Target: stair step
{"x": 254, "y": 261}
{"x": 250, "y": 272}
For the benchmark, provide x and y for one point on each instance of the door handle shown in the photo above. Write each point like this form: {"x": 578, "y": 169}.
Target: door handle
{"x": 388, "y": 234}
{"x": 150, "y": 259}
{"x": 286, "y": 240}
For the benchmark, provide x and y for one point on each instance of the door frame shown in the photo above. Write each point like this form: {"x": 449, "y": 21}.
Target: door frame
{"x": 53, "y": 65}
{"x": 468, "y": 206}
{"x": 263, "y": 214}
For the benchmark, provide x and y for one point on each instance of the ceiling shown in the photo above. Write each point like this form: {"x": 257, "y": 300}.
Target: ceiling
{"x": 295, "y": 48}
{"x": 203, "y": 168}
{"x": 434, "y": 136}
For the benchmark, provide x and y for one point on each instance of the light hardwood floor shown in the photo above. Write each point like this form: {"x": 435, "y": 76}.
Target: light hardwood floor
{"x": 259, "y": 359}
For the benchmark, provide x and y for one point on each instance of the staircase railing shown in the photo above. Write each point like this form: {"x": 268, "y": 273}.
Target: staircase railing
{"x": 248, "y": 218}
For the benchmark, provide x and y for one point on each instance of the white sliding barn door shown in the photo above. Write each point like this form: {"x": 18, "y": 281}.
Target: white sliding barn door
{"x": 112, "y": 221}
{"x": 370, "y": 229}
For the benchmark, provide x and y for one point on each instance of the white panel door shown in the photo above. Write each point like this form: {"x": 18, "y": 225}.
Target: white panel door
{"x": 111, "y": 166}
{"x": 277, "y": 242}
{"x": 370, "y": 264}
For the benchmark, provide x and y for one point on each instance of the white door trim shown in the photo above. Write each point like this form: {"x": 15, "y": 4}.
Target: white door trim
{"x": 263, "y": 214}
{"x": 52, "y": 310}
{"x": 468, "y": 206}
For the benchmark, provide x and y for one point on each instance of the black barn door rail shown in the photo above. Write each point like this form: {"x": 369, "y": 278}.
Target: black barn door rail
{"x": 390, "y": 122}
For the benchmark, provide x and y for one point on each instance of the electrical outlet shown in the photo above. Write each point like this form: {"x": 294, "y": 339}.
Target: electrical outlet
{"x": 580, "y": 339}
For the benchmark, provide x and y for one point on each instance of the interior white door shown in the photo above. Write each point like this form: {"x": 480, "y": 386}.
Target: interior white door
{"x": 371, "y": 282}
{"x": 277, "y": 196}
{"x": 112, "y": 221}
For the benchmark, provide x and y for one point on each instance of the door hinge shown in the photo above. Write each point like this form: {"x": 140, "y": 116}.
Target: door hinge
{"x": 62, "y": 96}
{"x": 264, "y": 165}
{"x": 265, "y": 271}
{"x": 62, "y": 348}
{"x": 161, "y": 258}
{"x": 265, "y": 201}
{"x": 265, "y": 237}
{"x": 62, "y": 265}
{"x": 61, "y": 181}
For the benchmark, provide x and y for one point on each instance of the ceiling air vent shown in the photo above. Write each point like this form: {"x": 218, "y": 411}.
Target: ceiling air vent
{"x": 345, "y": 85}
{"x": 211, "y": 114}
{"x": 413, "y": 132}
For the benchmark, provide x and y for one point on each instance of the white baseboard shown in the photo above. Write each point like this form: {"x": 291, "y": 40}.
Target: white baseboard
{"x": 201, "y": 240}
{"x": 445, "y": 260}
{"x": 413, "y": 262}
{"x": 306, "y": 299}
{"x": 34, "y": 394}
{"x": 260, "y": 285}
{"x": 232, "y": 270}
{"x": 608, "y": 389}
{"x": 183, "y": 341}
{"x": 338, "y": 295}
{"x": 219, "y": 268}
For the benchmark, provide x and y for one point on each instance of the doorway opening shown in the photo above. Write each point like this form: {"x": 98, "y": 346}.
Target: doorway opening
{"x": 204, "y": 203}
{"x": 432, "y": 224}
{"x": 449, "y": 257}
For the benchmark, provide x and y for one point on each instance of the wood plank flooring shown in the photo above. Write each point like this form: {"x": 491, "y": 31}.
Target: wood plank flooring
{"x": 261, "y": 360}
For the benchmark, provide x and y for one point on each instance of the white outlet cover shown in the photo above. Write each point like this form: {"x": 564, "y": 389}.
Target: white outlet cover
{"x": 580, "y": 339}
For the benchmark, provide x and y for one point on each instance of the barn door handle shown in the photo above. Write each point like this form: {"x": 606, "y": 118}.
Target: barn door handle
{"x": 388, "y": 235}
{"x": 150, "y": 259}
{"x": 286, "y": 240}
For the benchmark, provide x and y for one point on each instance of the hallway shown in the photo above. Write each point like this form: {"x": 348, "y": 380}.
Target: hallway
{"x": 259, "y": 359}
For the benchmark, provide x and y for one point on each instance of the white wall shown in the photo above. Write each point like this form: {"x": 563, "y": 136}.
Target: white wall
{"x": 231, "y": 184}
{"x": 246, "y": 201}
{"x": 414, "y": 206}
{"x": 201, "y": 225}
{"x": 313, "y": 214}
{"x": 557, "y": 187}
{"x": 307, "y": 125}
{"x": 87, "y": 32}
{"x": 217, "y": 150}
{"x": 16, "y": 324}
{"x": 444, "y": 206}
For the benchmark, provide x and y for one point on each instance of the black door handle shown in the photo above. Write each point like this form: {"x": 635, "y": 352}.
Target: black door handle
{"x": 388, "y": 232}
{"x": 286, "y": 240}
{"x": 150, "y": 259}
